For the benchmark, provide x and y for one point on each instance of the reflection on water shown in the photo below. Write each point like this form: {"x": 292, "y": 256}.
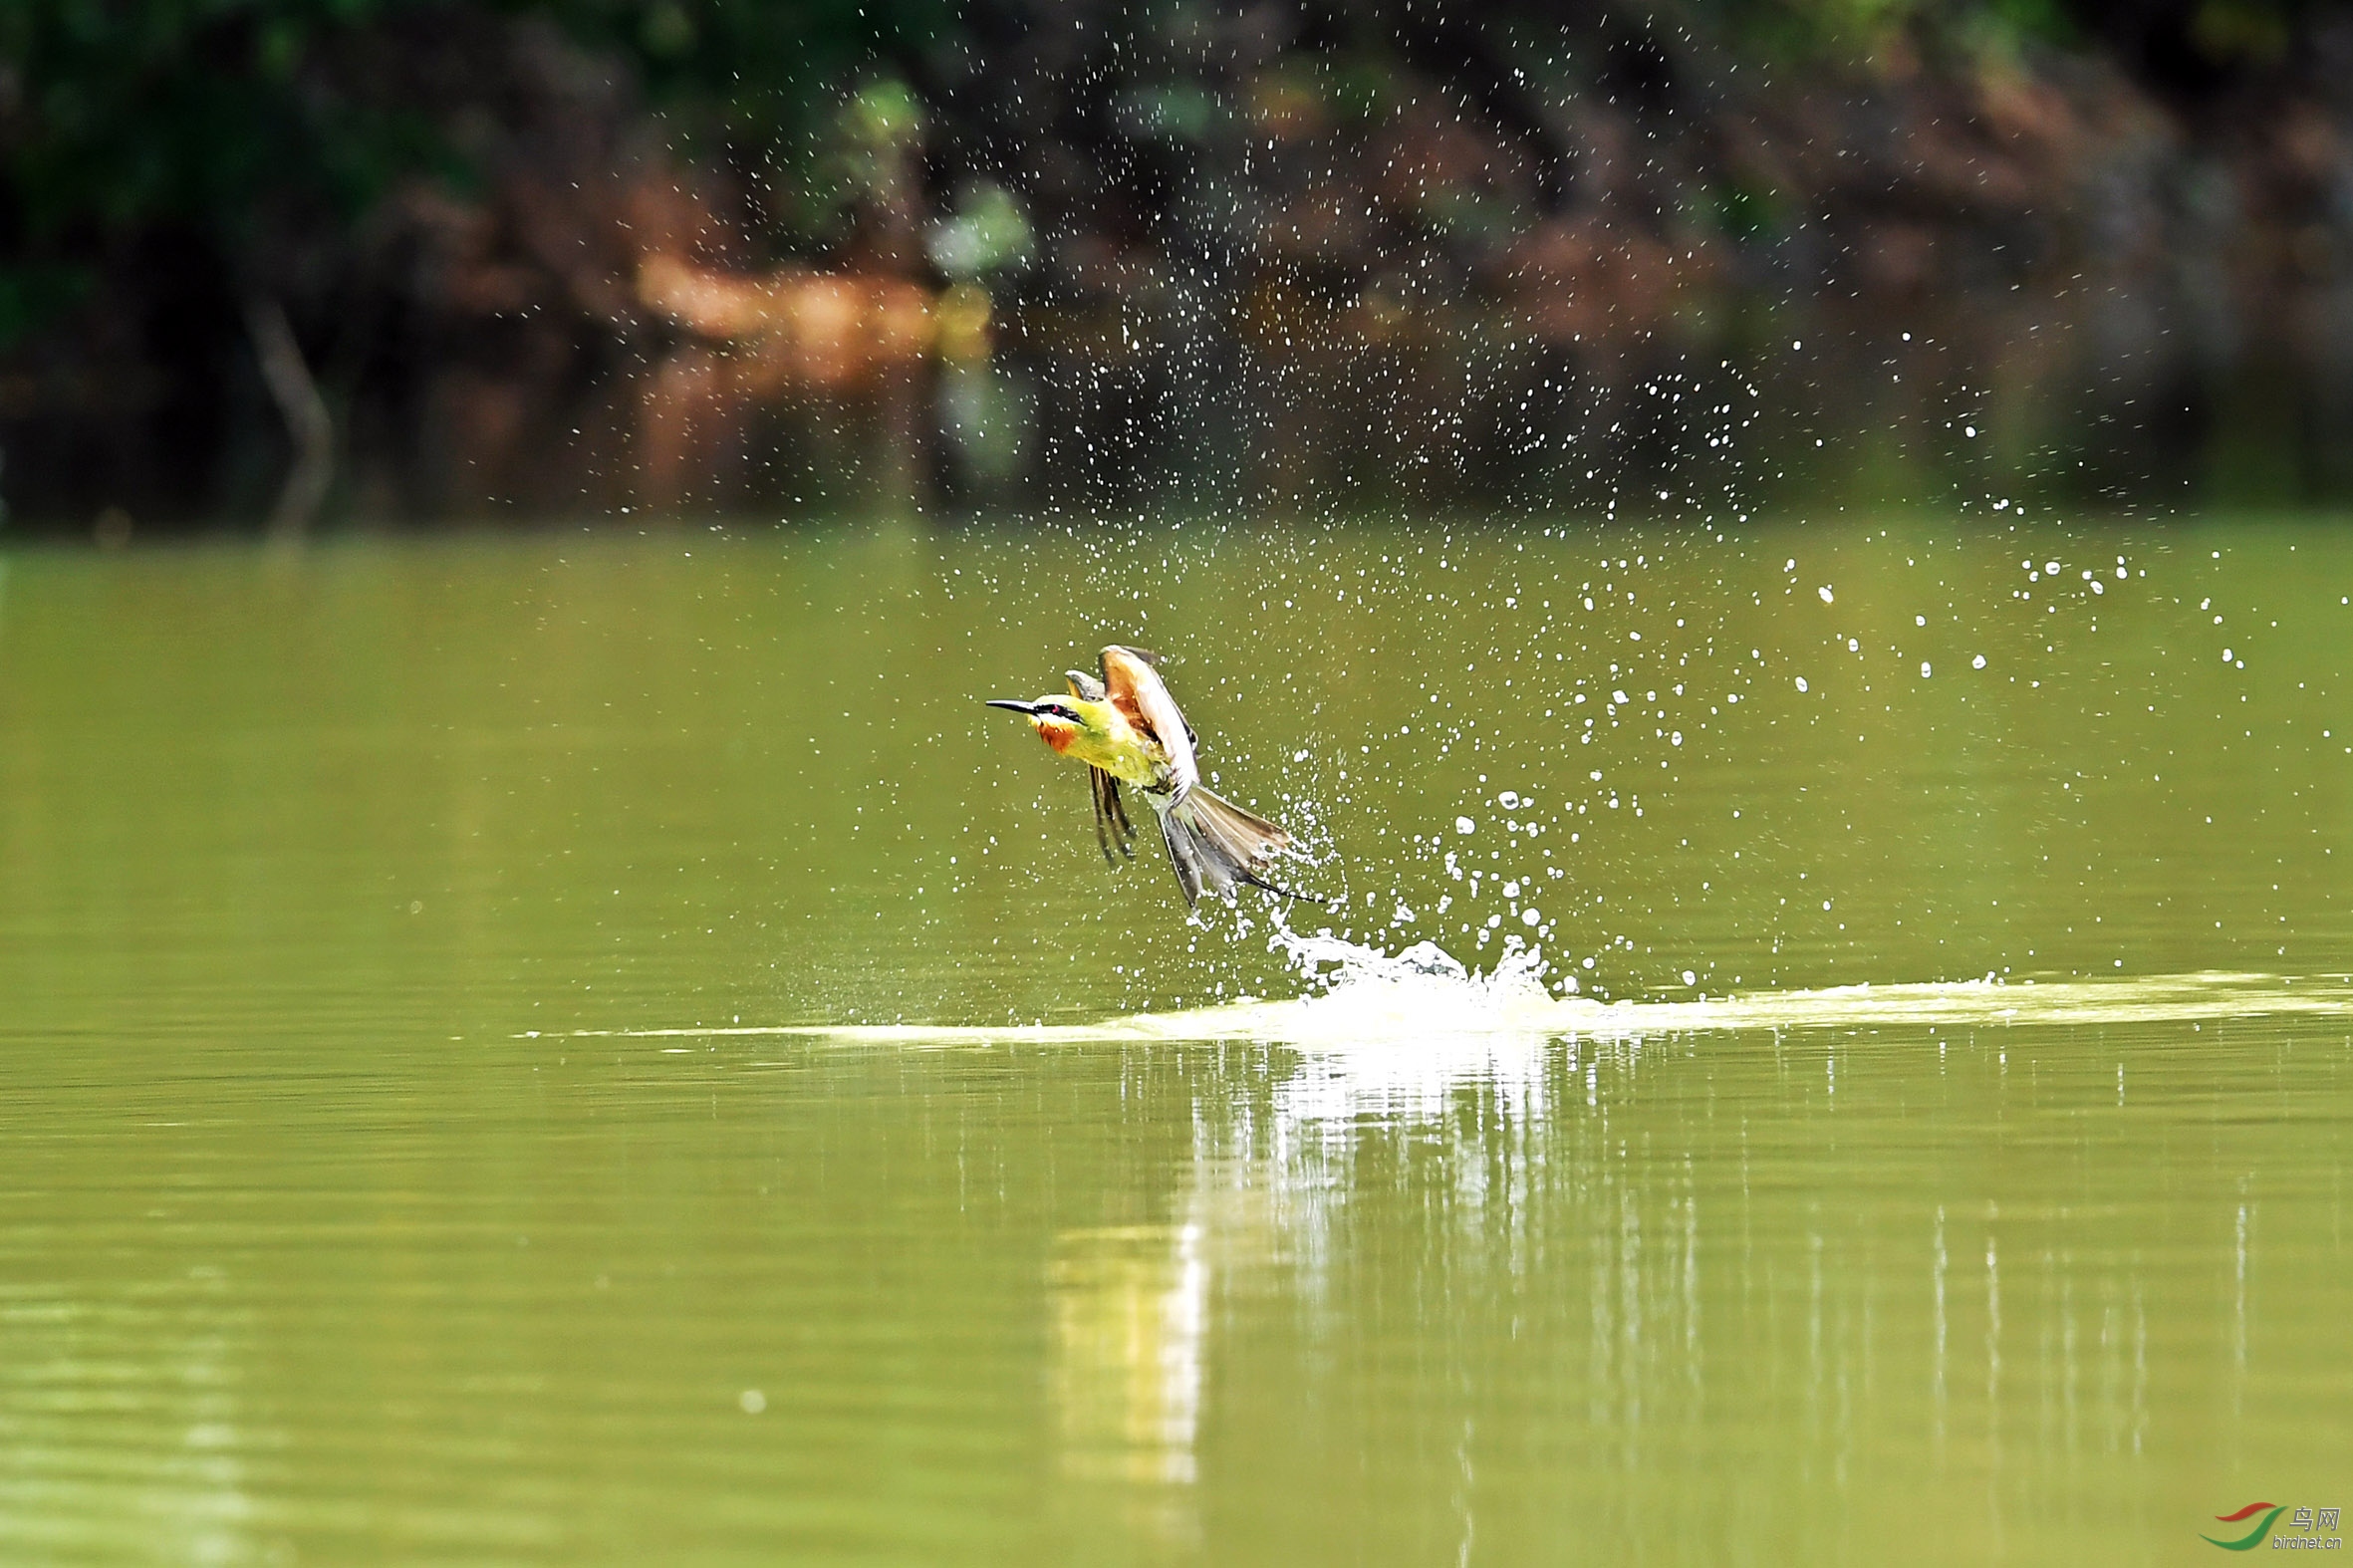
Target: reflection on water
{"x": 1691, "y": 1241}
{"x": 1130, "y": 1322}
{"x": 1734, "y": 1260}
{"x": 2027, "y": 1289}
{"x": 139, "y": 1397}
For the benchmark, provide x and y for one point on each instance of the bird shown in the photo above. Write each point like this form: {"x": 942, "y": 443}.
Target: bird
{"x": 1126, "y": 727}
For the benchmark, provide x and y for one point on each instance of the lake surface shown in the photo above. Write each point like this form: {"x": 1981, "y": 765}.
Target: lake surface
{"x": 598, "y": 1049}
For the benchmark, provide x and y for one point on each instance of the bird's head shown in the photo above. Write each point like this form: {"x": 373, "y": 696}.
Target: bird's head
{"x": 1058, "y": 721}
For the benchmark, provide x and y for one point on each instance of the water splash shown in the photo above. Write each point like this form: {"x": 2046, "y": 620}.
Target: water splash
{"x": 1400, "y": 1033}
{"x": 1425, "y": 998}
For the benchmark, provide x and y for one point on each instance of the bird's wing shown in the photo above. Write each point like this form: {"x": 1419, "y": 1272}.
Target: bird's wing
{"x": 1094, "y": 689}
{"x": 1137, "y": 690}
{"x": 1111, "y": 826}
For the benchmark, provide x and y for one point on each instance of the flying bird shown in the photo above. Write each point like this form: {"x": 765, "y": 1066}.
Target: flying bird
{"x": 1127, "y": 730}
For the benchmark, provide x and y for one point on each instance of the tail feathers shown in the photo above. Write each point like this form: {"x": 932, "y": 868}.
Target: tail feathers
{"x": 1216, "y": 846}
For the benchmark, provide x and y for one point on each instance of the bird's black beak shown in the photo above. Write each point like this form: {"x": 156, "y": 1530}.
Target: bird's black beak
{"x": 1007, "y": 702}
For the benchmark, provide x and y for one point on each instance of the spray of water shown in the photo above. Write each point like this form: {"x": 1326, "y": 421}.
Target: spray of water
{"x": 1369, "y": 1000}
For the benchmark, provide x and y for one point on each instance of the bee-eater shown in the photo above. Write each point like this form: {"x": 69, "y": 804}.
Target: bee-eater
{"x": 1126, "y": 727}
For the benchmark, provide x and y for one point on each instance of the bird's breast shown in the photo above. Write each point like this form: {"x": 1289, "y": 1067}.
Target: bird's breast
{"x": 1125, "y": 755}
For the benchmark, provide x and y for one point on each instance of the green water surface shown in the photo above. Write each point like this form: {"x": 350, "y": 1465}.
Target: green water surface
{"x": 348, "y": 1215}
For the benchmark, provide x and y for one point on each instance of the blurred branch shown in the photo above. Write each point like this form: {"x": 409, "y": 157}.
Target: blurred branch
{"x": 308, "y": 423}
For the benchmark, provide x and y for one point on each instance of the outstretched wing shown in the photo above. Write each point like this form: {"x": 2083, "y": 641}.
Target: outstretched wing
{"x": 1138, "y": 692}
{"x": 1111, "y": 826}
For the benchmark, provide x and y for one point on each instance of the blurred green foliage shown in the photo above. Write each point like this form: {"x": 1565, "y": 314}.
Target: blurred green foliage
{"x": 125, "y": 112}
{"x": 251, "y": 123}
{"x": 247, "y": 119}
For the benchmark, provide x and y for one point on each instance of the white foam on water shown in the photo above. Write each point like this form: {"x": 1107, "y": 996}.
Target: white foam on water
{"x": 1360, "y": 999}
{"x": 1401, "y": 1035}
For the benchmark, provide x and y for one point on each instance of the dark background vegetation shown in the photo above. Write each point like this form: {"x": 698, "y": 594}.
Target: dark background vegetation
{"x": 323, "y": 261}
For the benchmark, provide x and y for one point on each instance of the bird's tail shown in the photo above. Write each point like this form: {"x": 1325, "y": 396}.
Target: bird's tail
{"x": 1216, "y": 845}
